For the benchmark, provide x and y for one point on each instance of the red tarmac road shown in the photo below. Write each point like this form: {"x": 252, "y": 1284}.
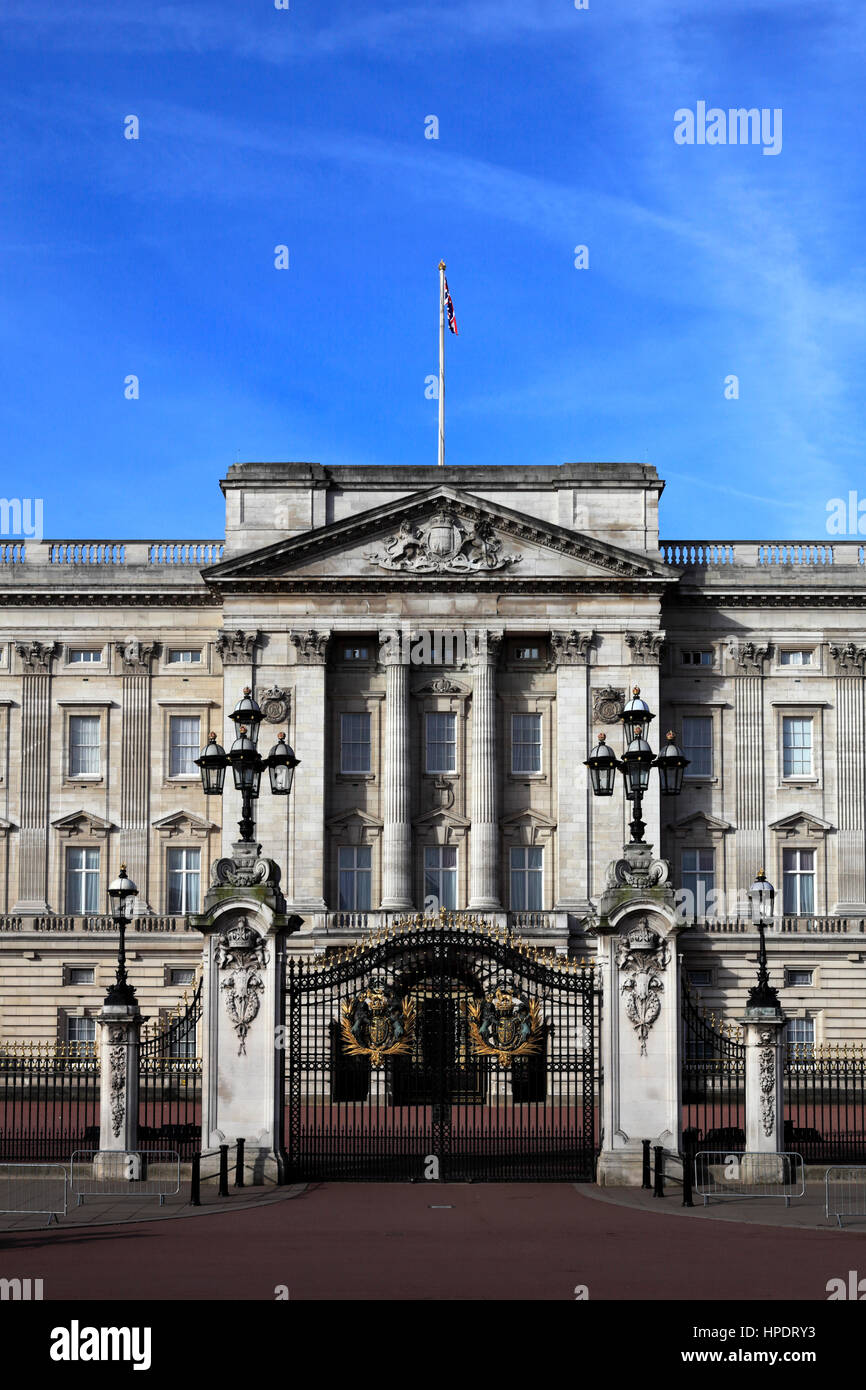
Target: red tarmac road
{"x": 389, "y": 1241}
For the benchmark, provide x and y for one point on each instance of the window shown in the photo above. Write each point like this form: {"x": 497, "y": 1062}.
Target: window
{"x": 440, "y": 875}
{"x": 184, "y": 738}
{"x": 798, "y": 977}
{"x": 355, "y": 869}
{"x": 798, "y": 881}
{"x": 355, "y": 743}
{"x": 81, "y": 1030}
{"x": 85, "y": 656}
{"x": 526, "y": 653}
{"x": 80, "y": 975}
{"x": 698, "y": 744}
{"x": 698, "y": 873}
{"x": 183, "y": 656}
{"x": 441, "y": 742}
{"x": 526, "y": 880}
{"x": 82, "y": 880}
{"x": 701, "y": 979}
{"x": 800, "y": 1031}
{"x": 84, "y": 745}
{"x": 356, "y": 653}
{"x": 692, "y": 658}
{"x": 184, "y": 877}
{"x": 181, "y": 977}
{"x": 795, "y": 658}
{"x": 526, "y": 743}
{"x": 796, "y": 747}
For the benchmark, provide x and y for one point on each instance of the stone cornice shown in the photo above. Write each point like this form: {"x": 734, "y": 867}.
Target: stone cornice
{"x": 128, "y": 598}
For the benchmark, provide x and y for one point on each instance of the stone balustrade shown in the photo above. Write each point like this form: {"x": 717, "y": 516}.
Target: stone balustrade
{"x": 58, "y": 923}
{"x": 760, "y": 554}
{"x": 107, "y": 553}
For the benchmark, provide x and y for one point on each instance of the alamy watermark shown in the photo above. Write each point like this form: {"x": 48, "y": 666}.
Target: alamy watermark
{"x": 736, "y": 126}
{"x": 846, "y": 516}
{"x": 21, "y": 516}
{"x": 408, "y": 646}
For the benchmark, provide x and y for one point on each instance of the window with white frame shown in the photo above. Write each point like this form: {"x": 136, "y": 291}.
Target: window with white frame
{"x": 355, "y": 743}
{"x": 355, "y": 869}
{"x": 80, "y": 974}
{"x": 698, "y": 879}
{"x": 80, "y": 1030}
{"x": 82, "y": 881}
{"x": 526, "y": 879}
{"x": 800, "y": 1032}
{"x": 526, "y": 653}
{"x": 526, "y": 743}
{"x": 181, "y": 976}
{"x": 440, "y": 874}
{"x": 796, "y": 657}
{"x": 183, "y": 872}
{"x": 698, "y": 744}
{"x": 441, "y": 741}
{"x": 85, "y": 656}
{"x": 695, "y": 658}
{"x": 184, "y": 656}
{"x": 798, "y": 978}
{"x": 796, "y": 746}
{"x": 184, "y": 735}
{"x": 798, "y": 881}
{"x": 84, "y": 745}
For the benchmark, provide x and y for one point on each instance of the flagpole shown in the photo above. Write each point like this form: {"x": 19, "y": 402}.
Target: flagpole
{"x": 441, "y": 364}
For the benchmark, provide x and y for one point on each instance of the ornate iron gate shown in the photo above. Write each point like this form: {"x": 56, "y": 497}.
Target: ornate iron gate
{"x": 169, "y": 1098}
{"x": 713, "y": 1080}
{"x": 444, "y": 1051}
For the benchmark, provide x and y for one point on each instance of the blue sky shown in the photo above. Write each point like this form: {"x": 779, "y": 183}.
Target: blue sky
{"x": 305, "y": 127}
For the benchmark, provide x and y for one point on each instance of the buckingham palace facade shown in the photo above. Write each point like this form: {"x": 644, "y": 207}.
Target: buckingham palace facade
{"x": 441, "y": 646}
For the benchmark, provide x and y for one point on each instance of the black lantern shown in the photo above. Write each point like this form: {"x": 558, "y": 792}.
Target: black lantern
{"x": 637, "y": 760}
{"x": 213, "y": 763}
{"x": 636, "y": 714}
{"x": 247, "y": 716}
{"x": 121, "y": 893}
{"x": 281, "y": 763}
{"x": 671, "y": 764}
{"x": 762, "y": 896}
{"x": 602, "y": 764}
{"x": 246, "y": 764}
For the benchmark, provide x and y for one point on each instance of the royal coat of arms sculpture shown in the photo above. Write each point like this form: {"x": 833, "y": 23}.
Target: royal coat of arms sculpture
{"x": 376, "y": 1024}
{"x": 505, "y": 1026}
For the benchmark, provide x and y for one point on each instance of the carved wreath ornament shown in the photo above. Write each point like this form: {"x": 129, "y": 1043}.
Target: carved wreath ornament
{"x": 241, "y": 954}
{"x": 642, "y": 958}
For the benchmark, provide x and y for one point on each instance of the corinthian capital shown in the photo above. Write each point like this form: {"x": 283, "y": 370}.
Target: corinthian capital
{"x": 645, "y": 647}
{"x": 570, "y": 648}
{"x": 236, "y": 647}
{"x": 36, "y": 657}
{"x": 849, "y": 658}
{"x": 749, "y": 658}
{"x": 311, "y": 646}
{"x": 134, "y": 656}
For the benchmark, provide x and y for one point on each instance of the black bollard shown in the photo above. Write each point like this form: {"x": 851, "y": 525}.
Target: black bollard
{"x": 646, "y": 1164}
{"x": 688, "y": 1170}
{"x": 224, "y": 1171}
{"x": 659, "y": 1188}
{"x": 195, "y": 1182}
{"x": 239, "y": 1164}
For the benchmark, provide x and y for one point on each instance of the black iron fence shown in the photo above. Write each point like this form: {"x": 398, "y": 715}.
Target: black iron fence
{"x": 713, "y": 1080}
{"x": 49, "y": 1100}
{"x": 169, "y": 1097}
{"x": 825, "y": 1102}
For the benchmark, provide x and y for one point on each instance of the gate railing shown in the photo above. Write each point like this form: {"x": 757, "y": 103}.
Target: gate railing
{"x": 170, "y": 1070}
{"x": 825, "y": 1101}
{"x": 49, "y": 1099}
{"x": 713, "y": 1079}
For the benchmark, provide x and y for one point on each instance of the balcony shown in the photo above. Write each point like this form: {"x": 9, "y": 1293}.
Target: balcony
{"x": 60, "y": 923}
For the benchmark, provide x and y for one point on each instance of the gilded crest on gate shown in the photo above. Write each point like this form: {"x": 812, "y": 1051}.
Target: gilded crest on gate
{"x": 376, "y": 1024}
{"x": 504, "y": 1025}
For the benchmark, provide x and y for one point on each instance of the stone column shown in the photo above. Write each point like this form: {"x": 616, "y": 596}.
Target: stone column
{"x": 119, "y": 1046}
{"x": 36, "y": 660}
{"x": 764, "y": 1031}
{"x": 851, "y": 782}
{"x": 397, "y": 893}
{"x": 570, "y": 656}
{"x": 307, "y": 867}
{"x": 135, "y": 663}
{"x": 749, "y": 738}
{"x": 484, "y": 792}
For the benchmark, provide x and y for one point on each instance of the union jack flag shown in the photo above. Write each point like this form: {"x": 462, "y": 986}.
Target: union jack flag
{"x": 449, "y": 306}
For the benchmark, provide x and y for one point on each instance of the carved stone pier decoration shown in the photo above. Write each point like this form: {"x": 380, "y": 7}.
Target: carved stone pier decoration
{"x": 642, "y": 958}
{"x": 119, "y": 1049}
{"x": 242, "y": 958}
{"x": 236, "y": 646}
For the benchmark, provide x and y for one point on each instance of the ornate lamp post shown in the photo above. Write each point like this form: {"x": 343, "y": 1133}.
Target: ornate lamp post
{"x": 762, "y": 895}
{"x": 635, "y": 763}
{"x": 246, "y": 763}
{"x": 121, "y": 893}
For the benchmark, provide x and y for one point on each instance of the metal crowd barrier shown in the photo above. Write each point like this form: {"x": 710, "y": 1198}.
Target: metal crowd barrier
{"x": 845, "y": 1192}
{"x": 104, "y": 1173}
{"x": 744, "y": 1174}
{"x": 33, "y": 1187}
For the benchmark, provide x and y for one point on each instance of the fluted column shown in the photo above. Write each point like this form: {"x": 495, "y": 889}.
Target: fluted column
{"x": 569, "y": 654}
{"x": 135, "y": 657}
{"x": 851, "y": 782}
{"x": 307, "y": 811}
{"x": 484, "y": 832}
{"x": 36, "y": 660}
{"x": 397, "y": 826}
{"x": 749, "y": 732}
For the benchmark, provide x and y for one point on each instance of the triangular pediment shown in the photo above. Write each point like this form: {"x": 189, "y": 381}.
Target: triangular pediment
{"x": 528, "y": 827}
{"x": 802, "y": 823}
{"x": 441, "y": 536}
{"x": 699, "y": 825}
{"x": 355, "y": 827}
{"x": 86, "y": 823}
{"x": 184, "y": 823}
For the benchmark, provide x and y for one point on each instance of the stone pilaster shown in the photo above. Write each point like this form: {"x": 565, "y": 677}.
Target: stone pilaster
{"x": 397, "y": 826}
{"x": 570, "y": 658}
{"x": 764, "y": 1031}
{"x": 484, "y": 831}
{"x": 849, "y": 661}
{"x": 119, "y": 1047}
{"x": 36, "y": 658}
{"x": 135, "y": 662}
{"x": 307, "y": 810}
{"x": 749, "y": 737}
